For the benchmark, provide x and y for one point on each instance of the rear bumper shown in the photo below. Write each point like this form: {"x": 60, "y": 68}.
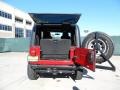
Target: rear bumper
{"x": 52, "y": 62}
{"x": 51, "y": 69}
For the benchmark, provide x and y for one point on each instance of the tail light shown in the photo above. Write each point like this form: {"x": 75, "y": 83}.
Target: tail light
{"x": 92, "y": 56}
{"x": 32, "y": 52}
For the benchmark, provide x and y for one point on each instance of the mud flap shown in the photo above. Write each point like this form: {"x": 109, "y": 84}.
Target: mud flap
{"x": 85, "y": 57}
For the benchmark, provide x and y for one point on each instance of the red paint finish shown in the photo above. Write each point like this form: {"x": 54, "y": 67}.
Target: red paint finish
{"x": 80, "y": 56}
{"x": 52, "y": 61}
{"x": 72, "y": 52}
{"x": 34, "y": 51}
{"x": 83, "y": 57}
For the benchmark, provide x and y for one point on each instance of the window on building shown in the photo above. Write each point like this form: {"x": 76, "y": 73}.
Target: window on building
{"x": 28, "y": 22}
{"x": 0, "y": 27}
{"x": 0, "y": 13}
{"x": 9, "y": 28}
{"x": 5, "y": 27}
{"x": 17, "y": 19}
{"x": 5, "y": 14}
{"x": 28, "y": 33}
{"x": 19, "y": 32}
{"x": 9, "y": 16}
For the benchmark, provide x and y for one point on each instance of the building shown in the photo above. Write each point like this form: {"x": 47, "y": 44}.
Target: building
{"x": 14, "y": 23}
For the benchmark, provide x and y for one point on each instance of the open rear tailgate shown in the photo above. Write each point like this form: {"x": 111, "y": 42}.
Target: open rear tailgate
{"x": 55, "y": 18}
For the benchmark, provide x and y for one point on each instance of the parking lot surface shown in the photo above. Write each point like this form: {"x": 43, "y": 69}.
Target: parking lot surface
{"x": 13, "y": 76}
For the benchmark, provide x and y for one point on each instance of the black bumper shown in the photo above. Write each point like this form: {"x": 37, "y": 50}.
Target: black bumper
{"x": 55, "y": 70}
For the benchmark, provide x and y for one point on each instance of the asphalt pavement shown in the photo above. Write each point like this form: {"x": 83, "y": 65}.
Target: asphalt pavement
{"x": 13, "y": 76}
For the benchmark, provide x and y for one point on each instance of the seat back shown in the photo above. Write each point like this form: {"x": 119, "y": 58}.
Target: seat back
{"x": 55, "y": 49}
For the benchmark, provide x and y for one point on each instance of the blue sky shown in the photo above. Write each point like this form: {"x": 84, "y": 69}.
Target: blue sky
{"x": 97, "y": 15}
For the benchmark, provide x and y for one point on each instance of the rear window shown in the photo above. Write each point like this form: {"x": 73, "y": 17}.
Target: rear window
{"x": 54, "y": 32}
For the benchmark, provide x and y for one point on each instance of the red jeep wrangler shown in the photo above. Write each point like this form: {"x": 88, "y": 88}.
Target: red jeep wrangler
{"x": 56, "y": 49}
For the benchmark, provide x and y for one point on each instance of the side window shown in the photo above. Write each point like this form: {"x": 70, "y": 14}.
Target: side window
{"x": 37, "y": 40}
{"x": 66, "y": 35}
{"x": 47, "y": 35}
{"x": 37, "y": 37}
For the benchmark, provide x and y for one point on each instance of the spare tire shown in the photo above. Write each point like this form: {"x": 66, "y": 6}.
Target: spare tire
{"x": 104, "y": 42}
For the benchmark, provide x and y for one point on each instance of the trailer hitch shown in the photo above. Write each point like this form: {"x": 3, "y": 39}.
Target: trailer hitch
{"x": 97, "y": 48}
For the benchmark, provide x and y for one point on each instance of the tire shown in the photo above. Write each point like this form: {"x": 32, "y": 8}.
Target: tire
{"x": 105, "y": 43}
{"x": 32, "y": 75}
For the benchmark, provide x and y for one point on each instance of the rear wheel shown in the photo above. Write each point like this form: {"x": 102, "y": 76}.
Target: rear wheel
{"x": 104, "y": 42}
{"x": 32, "y": 75}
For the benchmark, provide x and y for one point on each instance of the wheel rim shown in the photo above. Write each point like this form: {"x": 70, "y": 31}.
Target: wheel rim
{"x": 102, "y": 45}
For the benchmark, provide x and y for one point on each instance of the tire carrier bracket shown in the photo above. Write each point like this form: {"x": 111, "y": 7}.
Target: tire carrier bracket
{"x": 112, "y": 67}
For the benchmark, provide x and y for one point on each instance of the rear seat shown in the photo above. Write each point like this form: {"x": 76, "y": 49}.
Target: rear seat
{"x": 55, "y": 49}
